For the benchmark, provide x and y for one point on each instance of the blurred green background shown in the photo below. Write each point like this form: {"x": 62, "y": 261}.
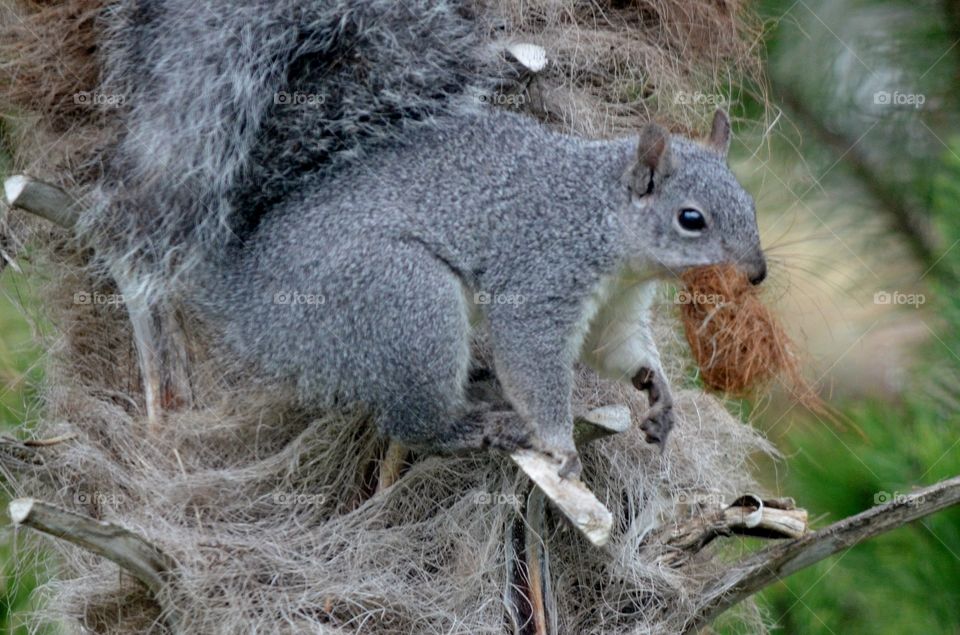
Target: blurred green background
{"x": 20, "y": 372}
{"x": 856, "y": 172}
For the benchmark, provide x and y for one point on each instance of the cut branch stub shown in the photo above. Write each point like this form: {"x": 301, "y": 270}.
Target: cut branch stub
{"x": 131, "y": 552}
{"x": 530, "y": 56}
{"x": 600, "y": 422}
{"x": 570, "y": 496}
{"x": 41, "y": 199}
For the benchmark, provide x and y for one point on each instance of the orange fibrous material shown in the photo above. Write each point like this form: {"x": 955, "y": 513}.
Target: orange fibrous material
{"x": 737, "y": 340}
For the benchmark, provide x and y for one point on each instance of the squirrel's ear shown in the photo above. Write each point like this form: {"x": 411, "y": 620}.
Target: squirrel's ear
{"x": 653, "y": 160}
{"x": 719, "y": 138}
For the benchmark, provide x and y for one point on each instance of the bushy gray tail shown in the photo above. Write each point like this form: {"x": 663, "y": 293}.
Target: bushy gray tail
{"x": 230, "y": 103}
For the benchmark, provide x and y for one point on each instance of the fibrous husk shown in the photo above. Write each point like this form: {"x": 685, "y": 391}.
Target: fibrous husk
{"x": 736, "y": 339}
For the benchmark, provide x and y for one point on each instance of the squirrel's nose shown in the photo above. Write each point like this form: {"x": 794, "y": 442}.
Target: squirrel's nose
{"x": 760, "y": 275}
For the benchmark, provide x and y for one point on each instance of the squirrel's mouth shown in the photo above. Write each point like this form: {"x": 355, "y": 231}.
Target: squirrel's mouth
{"x": 759, "y": 273}
{"x": 756, "y": 268}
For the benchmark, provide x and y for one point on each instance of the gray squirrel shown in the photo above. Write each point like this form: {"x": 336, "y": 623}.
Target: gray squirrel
{"x": 352, "y": 241}
{"x": 361, "y": 287}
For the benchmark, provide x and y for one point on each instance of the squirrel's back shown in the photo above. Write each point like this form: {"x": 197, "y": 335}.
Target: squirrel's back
{"x": 466, "y": 178}
{"x": 335, "y": 270}
{"x": 232, "y": 102}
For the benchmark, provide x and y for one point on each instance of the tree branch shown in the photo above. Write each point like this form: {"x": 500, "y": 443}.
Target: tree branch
{"x": 132, "y": 553}
{"x": 41, "y": 199}
{"x": 776, "y": 562}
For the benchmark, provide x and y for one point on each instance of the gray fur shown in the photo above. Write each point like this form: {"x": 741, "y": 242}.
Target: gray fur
{"x": 384, "y": 198}
{"x": 207, "y": 145}
{"x": 389, "y": 257}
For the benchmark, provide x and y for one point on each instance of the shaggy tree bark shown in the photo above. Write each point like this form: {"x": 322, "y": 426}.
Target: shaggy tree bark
{"x": 156, "y": 330}
{"x": 156, "y": 570}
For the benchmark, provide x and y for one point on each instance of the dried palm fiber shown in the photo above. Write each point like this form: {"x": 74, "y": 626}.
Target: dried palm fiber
{"x": 48, "y": 68}
{"x": 737, "y": 341}
{"x": 613, "y": 65}
{"x": 269, "y": 514}
{"x": 616, "y": 64}
{"x": 269, "y": 511}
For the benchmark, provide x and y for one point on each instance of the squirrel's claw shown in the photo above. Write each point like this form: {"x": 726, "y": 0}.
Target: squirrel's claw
{"x": 657, "y": 424}
{"x": 571, "y": 467}
{"x": 658, "y": 420}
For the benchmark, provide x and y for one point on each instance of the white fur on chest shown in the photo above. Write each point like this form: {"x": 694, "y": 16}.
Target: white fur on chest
{"x": 615, "y": 336}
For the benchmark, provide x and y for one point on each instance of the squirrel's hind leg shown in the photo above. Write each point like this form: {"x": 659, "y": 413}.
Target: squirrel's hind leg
{"x": 467, "y": 428}
{"x": 419, "y": 381}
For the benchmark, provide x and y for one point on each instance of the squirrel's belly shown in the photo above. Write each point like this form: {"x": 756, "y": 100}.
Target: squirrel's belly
{"x": 616, "y": 338}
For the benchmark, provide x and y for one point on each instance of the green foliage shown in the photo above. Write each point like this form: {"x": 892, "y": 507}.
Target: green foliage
{"x": 837, "y": 61}
{"x": 21, "y": 577}
{"x": 20, "y": 373}
{"x": 909, "y": 580}
{"x": 20, "y": 368}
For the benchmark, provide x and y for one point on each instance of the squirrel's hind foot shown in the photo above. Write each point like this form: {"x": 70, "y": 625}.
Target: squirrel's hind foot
{"x": 508, "y": 432}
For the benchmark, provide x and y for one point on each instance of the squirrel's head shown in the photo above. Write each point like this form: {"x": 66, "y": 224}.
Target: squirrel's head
{"x": 686, "y": 206}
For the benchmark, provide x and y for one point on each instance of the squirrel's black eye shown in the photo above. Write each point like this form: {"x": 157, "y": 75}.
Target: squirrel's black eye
{"x": 692, "y": 220}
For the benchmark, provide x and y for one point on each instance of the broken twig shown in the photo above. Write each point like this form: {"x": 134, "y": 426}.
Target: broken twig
{"x": 747, "y": 516}
{"x": 778, "y": 561}
{"x": 132, "y": 553}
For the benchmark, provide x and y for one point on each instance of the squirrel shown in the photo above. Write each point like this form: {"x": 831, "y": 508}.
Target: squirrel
{"x": 351, "y": 236}
{"x": 361, "y": 286}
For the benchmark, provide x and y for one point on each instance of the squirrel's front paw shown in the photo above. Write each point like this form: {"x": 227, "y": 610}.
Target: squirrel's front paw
{"x": 658, "y": 421}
